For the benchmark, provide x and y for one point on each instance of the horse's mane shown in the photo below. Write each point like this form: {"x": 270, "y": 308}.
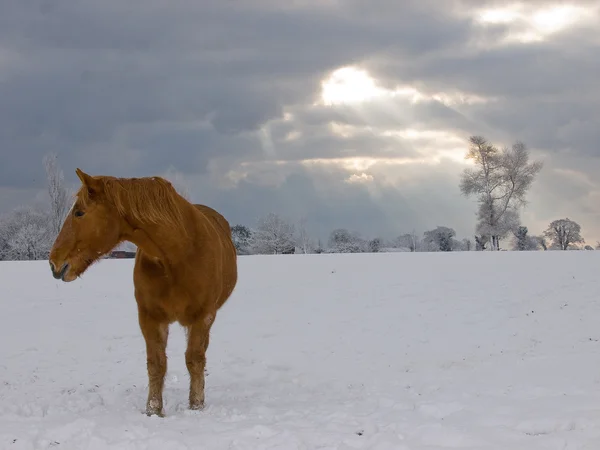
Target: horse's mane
{"x": 148, "y": 199}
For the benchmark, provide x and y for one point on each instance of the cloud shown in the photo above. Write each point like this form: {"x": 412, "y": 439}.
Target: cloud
{"x": 230, "y": 94}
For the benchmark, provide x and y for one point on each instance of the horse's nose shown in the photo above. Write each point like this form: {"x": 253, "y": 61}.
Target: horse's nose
{"x": 58, "y": 274}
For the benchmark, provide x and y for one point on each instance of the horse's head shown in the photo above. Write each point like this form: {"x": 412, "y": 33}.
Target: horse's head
{"x": 91, "y": 229}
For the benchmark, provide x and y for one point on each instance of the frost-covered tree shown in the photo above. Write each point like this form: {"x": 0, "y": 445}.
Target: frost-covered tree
{"x": 440, "y": 239}
{"x": 273, "y": 235}
{"x": 481, "y": 242}
{"x": 29, "y": 243}
{"x": 375, "y": 245}
{"x": 524, "y": 242}
{"x": 564, "y": 233}
{"x": 500, "y": 180}
{"x": 241, "y": 235}
{"x": 25, "y": 233}
{"x": 319, "y": 247}
{"x": 343, "y": 241}
{"x": 409, "y": 240}
{"x": 305, "y": 244}
{"x": 542, "y": 242}
{"x": 58, "y": 193}
{"x": 467, "y": 245}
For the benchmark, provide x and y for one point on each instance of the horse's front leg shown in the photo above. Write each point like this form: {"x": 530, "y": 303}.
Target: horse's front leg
{"x": 155, "y": 335}
{"x": 195, "y": 358}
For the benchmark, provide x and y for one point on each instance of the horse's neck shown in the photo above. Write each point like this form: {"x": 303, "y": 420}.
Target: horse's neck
{"x": 163, "y": 243}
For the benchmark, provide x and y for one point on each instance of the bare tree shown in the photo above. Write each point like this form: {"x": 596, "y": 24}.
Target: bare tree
{"x": 59, "y": 196}
{"x": 305, "y": 243}
{"x": 563, "y": 233}
{"x": 500, "y": 180}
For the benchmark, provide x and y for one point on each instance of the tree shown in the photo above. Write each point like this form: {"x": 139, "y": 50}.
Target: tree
{"x": 59, "y": 197}
{"x": 29, "y": 243}
{"x": 467, "y": 244}
{"x": 343, "y": 241}
{"x": 481, "y": 242}
{"x": 563, "y": 233}
{"x": 241, "y": 235}
{"x": 409, "y": 241}
{"x": 319, "y": 247}
{"x": 375, "y": 245}
{"x": 440, "y": 239}
{"x": 524, "y": 242}
{"x": 25, "y": 234}
{"x": 305, "y": 243}
{"x": 542, "y": 242}
{"x": 500, "y": 180}
{"x": 273, "y": 235}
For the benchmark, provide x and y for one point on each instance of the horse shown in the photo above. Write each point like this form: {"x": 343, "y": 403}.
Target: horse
{"x": 185, "y": 266}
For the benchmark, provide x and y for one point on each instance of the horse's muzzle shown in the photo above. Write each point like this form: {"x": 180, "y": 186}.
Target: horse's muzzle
{"x": 59, "y": 275}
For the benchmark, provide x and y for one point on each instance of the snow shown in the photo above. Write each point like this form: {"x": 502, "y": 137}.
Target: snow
{"x": 402, "y": 351}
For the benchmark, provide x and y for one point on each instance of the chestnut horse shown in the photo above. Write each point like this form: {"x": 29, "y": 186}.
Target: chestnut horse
{"x": 185, "y": 267}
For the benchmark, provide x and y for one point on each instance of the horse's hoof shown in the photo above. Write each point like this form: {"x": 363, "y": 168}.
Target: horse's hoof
{"x": 197, "y": 406}
{"x": 154, "y": 408}
{"x": 151, "y": 413}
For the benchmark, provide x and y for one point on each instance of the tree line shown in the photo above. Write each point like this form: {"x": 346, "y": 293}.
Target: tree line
{"x": 499, "y": 179}
{"x": 274, "y": 234}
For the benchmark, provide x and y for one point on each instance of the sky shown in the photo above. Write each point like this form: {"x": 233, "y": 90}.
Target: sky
{"x": 347, "y": 113}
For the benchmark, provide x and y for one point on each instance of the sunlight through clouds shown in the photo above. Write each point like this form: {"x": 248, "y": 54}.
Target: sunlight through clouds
{"x": 349, "y": 85}
{"x": 352, "y": 93}
{"x": 528, "y": 24}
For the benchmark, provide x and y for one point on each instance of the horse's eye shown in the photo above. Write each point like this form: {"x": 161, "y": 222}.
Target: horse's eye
{"x": 78, "y": 213}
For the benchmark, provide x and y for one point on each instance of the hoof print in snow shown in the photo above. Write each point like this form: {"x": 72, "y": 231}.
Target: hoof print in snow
{"x": 360, "y": 432}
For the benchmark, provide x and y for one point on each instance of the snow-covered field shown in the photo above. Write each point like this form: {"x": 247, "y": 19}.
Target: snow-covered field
{"x": 382, "y": 351}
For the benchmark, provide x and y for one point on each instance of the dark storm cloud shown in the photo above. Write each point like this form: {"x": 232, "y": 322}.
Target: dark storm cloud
{"x": 81, "y": 71}
{"x": 131, "y": 88}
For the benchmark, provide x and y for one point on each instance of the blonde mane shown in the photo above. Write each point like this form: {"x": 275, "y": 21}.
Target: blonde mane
{"x": 148, "y": 199}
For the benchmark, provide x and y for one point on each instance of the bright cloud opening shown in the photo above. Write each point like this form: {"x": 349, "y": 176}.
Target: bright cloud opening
{"x": 359, "y": 179}
{"x": 352, "y": 86}
{"x": 557, "y": 18}
{"x": 532, "y": 25}
{"x": 502, "y": 15}
{"x": 349, "y": 85}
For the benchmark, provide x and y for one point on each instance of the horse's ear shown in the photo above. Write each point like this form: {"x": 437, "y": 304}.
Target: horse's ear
{"x": 88, "y": 181}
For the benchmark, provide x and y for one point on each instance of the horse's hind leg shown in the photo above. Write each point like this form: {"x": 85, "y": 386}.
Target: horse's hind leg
{"x": 198, "y": 336}
{"x": 155, "y": 335}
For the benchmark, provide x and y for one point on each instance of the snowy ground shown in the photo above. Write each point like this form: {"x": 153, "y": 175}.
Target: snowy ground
{"x": 383, "y": 351}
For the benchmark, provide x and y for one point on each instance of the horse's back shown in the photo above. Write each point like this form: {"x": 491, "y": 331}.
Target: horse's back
{"x": 216, "y": 217}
